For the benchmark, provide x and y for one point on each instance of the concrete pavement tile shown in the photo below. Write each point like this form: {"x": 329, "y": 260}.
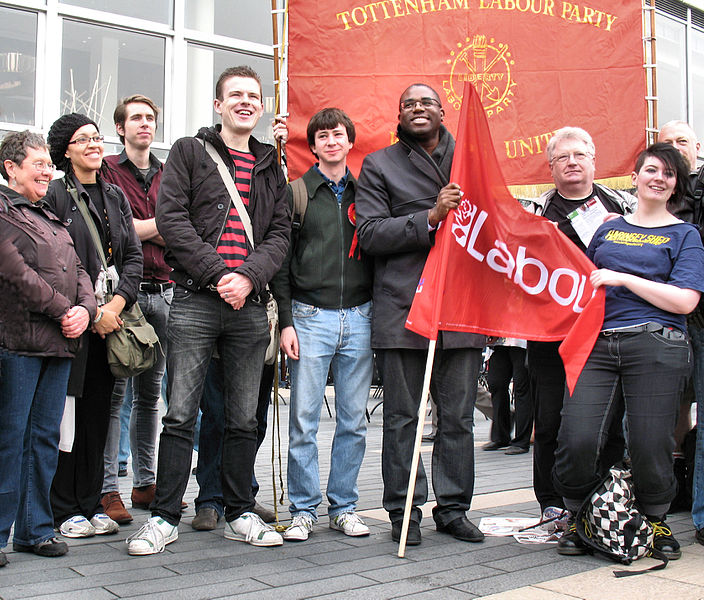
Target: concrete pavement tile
{"x": 688, "y": 569}
{"x": 530, "y": 593}
{"x": 309, "y": 589}
{"x": 531, "y": 576}
{"x": 312, "y": 572}
{"x": 400, "y": 573}
{"x": 591, "y": 585}
{"x": 33, "y": 589}
{"x": 447, "y": 594}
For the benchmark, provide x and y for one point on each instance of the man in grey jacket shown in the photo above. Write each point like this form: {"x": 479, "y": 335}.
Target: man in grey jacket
{"x": 403, "y": 194}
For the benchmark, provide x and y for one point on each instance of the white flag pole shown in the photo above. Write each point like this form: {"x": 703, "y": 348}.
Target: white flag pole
{"x": 416, "y": 448}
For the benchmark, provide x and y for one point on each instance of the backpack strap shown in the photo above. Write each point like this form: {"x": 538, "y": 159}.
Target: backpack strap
{"x": 300, "y": 203}
{"x": 698, "y": 194}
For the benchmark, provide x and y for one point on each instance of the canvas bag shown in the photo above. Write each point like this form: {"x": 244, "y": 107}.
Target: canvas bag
{"x": 135, "y": 347}
{"x": 610, "y": 523}
{"x": 272, "y": 309}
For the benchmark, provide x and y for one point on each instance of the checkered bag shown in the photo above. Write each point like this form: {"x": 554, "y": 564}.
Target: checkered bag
{"x": 610, "y": 523}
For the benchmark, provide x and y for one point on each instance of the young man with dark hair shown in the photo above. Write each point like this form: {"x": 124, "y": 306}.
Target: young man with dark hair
{"x": 138, "y": 172}
{"x": 219, "y": 302}
{"x": 324, "y": 296}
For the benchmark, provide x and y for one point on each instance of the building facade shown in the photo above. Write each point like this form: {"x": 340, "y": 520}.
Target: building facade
{"x": 83, "y": 55}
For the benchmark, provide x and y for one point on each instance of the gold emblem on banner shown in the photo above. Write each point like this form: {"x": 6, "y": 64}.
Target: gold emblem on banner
{"x": 487, "y": 65}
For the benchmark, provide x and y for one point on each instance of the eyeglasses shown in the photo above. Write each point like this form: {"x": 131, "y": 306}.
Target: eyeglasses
{"x": 40, "y": 166}
{"x": 578, "y": 157}
{"x": 410, "y": 104}
{"x": 84, "y": 139}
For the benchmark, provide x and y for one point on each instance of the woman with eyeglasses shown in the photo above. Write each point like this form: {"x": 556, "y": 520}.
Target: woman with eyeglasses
{"x": 77, "y": 149}
{"x": 46, "y": 302}
{"x": 652, "y": 267}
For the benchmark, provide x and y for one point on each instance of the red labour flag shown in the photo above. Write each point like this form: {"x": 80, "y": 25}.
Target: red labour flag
{"x": 499, "y": 270}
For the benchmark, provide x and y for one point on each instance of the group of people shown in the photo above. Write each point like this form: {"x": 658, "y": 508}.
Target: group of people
{"x": 204, "y": 241}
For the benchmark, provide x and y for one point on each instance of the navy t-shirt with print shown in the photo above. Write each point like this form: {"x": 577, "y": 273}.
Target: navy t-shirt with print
{"x": 670, "y": 254}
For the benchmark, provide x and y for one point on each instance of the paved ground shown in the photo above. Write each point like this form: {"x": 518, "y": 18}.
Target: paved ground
{"x": 330, "y": 565}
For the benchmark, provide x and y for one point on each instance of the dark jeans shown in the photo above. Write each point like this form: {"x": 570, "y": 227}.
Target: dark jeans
{"x": 454, "y": 389}
{"x": 79, "y": 473}
{"x": 198, "y": 323}
{"x": 646, "y": 374}
{"x": 506, "y": 363}
{"x": 32, "y": 397}
{"x": 211, "y": 433}
{"x": 547, "y": 388}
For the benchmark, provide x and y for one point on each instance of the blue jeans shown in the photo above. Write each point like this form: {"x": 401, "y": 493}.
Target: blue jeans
{"x": 124, "y": 452}
{"x": 341, "y": 338}
{"x": 198, "y": 323}
{"x": 32, "y": 396}
{"x": 145, "y": 393}
{"x": 645, "y": 373}
{"x": 697, "y": 336}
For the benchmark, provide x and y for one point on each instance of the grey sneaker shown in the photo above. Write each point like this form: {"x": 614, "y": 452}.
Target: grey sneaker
{"x": 249, "y": 527}
{"x": 300, "y": 528}
{"x": 103, "y": 524}
{"x": 350, "y": 524}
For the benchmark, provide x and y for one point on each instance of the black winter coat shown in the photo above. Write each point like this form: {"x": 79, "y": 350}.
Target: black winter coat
{"x": 397, "y": 188}
{"x": 126, "y": 247}
{"x": 194, "y": 203}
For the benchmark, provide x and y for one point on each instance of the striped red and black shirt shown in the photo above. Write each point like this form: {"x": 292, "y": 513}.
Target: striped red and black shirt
{"x": 233, "y": 242}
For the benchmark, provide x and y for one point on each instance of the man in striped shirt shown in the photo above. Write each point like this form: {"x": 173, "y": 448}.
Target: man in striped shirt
{"x": 218, "y": 303}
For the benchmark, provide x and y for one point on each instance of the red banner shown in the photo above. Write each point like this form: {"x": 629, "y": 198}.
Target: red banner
{"x": 499, "y": 270}
{"x": 538, "y": 65}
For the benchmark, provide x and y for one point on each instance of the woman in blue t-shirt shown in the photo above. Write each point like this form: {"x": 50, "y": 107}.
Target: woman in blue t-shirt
{"x": 652, "y": 265}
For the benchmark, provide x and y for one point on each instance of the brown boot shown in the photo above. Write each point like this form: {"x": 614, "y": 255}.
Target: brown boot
{"x": 114, "y": 508}
{"x": 144, "y": 496}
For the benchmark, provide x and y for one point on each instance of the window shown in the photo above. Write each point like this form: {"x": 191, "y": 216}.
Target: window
{"x": 18, "y": 57}
{"x": 671, "y": 69}
{"x": 100, "y": 65}
{"x": 204, "y": 68}
{"x": 160, "y": 11}
{"x": 228, "y": 18}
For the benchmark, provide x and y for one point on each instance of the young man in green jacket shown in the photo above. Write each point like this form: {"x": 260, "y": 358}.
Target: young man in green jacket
{"x": 324, "y": 295}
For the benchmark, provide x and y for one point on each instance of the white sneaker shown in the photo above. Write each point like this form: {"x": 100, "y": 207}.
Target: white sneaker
{"x": 77, "y": 527}
{"x": 299, "y": 528}
{"x": 103, "y": 524}
{"x": 249, "y": 527}
{"x": 152, "y": 537}
{"x": 350, "y": 524}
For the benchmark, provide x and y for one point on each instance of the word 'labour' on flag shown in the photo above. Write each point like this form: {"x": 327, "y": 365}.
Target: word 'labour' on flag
{"x": 498, "y": 270}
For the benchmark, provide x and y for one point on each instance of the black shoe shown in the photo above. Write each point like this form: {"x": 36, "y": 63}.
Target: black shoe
{"x": 665, "y": 541}
{"x": 51, "y": 547}
{"x": 491, "y": 446}
{"x": 570, "y": 543}
{"x": 462, "y": 529}
{"x": 3, "y": 559}
{"x": 413, "y": 537}
{"x": 206, "y": 519}
{"x": 512, "y": 450}
{"x": 122, "y": 472}
{"x": 700, "y": 536}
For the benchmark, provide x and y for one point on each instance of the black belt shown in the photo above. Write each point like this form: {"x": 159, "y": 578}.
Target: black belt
{"x": 649, "y": 327}
{"x": 261, "y": 298}
{"x": 154, "y": 287}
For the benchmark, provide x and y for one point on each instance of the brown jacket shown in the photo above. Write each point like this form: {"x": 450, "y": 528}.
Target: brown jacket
{"x": 42, "y": 278}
